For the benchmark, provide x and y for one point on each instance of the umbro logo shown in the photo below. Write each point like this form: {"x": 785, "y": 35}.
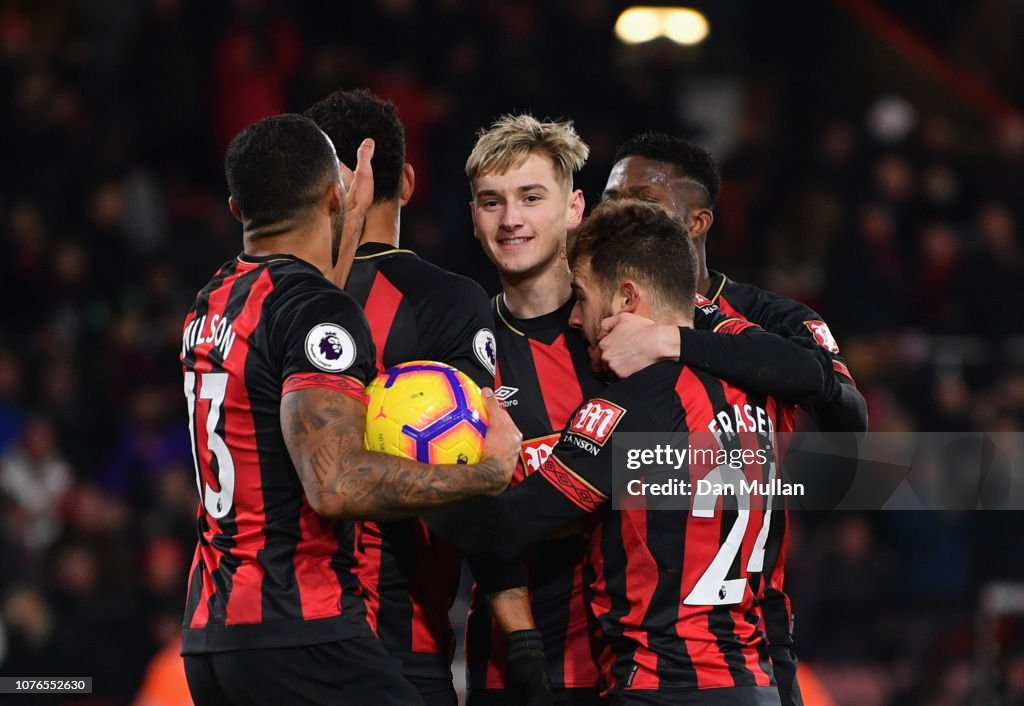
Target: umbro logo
{"x": 504, "y": 395}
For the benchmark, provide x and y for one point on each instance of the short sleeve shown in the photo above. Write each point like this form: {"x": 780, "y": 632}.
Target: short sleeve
{"x": 459, "y": 330}
{"x": 317, "y": 328}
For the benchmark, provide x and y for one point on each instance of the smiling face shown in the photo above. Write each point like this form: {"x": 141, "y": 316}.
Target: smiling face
{"x": 521, "y": 217}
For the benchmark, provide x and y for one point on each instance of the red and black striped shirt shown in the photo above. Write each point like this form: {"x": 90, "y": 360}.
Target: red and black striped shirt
{"x": 416, "y": 311}
{"x": 669, "y": 588}
{"x": 267, "y": 571}
{"x": 543, "y": 375}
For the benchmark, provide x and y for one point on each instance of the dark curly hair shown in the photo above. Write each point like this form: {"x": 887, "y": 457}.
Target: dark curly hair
{"x": 348, "y": 118}
{"x": 277, "y": 167}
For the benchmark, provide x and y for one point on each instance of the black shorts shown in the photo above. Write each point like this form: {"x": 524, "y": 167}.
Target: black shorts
{"x": 562, "y": 697}
{"x": 435, "y": 692}
{"x": 353, "y": 672}
{"x": 738, "y": 696}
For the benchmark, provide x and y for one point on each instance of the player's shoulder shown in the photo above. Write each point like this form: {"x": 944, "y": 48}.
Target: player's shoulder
{"x": 646, "y": 392}
{"x": 422, "y": 281}
{"x": 443, "y": 285}
{"x": 298, "y": 286}
{"x": 777, "y": 313}
{"x": 742, "y": 295}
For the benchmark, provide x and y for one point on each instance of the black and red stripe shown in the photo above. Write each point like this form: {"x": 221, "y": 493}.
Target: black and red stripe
{"x": 410, "y": 577}
{"x": 270, "y": 560}
{"x": 645, "y": 561}
{"x": 546, "y": 361}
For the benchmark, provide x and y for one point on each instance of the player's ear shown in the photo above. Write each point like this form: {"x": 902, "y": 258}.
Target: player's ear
{"x": 577, "y": 204}
{"x": 629, "y": 296}
{"x": 334, "y": 198}
{"x": 699, "y": 222}
{"x": 408, "y": 184}
{"x": 235, "y": 210}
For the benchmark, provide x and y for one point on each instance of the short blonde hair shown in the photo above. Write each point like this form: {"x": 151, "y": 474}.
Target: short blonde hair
{"x": 512, "y": 138}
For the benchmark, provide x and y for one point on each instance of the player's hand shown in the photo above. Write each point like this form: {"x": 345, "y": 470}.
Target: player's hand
{"x": 627, "y": 343}
{"x": 830, "y": 387}
{"x": 527, "y": 673}
{"x": 358, "y": 199}
{"x": 784, "y": 665}
{"x": 503, "y": 440}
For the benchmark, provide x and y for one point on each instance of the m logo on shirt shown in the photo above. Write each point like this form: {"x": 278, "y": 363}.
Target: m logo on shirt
{"x": 536, "y": 451}
{"x": 596, "y": 420}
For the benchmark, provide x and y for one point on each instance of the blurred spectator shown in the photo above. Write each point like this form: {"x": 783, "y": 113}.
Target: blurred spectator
{"x": 12, "y": 416}
{"x": 35, "y": 477}
{"x": 255, "y": 58}
{"x": 153, "y": 439}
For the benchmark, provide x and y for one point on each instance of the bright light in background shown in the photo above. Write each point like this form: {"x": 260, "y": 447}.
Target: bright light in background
{"x": 683, "y": 25}
{"x": 638, "y": 24}
{"x": 686, "y": 26}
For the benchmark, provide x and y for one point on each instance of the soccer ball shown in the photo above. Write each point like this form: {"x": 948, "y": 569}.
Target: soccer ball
{"x": 427, "y": 411}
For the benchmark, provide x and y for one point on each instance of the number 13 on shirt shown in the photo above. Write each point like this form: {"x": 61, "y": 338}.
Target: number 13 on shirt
{"x": 212, "y": 387}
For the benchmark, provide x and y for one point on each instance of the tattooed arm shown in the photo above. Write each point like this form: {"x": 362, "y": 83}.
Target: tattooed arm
{"x": 323, "y": 430}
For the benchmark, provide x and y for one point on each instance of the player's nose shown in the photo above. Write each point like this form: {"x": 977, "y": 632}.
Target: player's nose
{"x": 511, "y": 217}
{"x": 576, "y": 316}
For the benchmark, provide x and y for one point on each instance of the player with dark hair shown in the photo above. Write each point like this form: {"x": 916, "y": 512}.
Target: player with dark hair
{"x": 338, "y": 115}
{"x": 524, "y": 206}
{"x": 667, "y": 586}
{"x": 684, "y": 178}
{"x": 416, "y": 311}
{"x": 275, "y": 359}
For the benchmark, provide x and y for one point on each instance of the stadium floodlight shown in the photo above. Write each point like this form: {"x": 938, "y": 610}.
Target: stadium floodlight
{"x": 639, "y": 24}
{"x": 682, "y": 25}
{"x": 686, "y": 26}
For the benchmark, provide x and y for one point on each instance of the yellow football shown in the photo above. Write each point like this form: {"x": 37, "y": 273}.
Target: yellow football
{"x": 427, "y": 411}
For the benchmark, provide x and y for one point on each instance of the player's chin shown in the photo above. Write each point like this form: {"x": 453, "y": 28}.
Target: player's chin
{"x": 516, "y": 264}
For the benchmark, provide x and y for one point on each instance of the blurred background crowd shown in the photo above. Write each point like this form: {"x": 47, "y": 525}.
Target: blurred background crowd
{"x": 873, "y": 167}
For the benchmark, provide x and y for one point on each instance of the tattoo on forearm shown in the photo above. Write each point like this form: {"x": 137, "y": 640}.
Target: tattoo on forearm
{"x": 326, "y": 442}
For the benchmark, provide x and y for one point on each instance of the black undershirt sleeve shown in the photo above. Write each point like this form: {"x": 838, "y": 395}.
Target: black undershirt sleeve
{"x": 504, "y": 526}
{"x": 847, "y": 411}
{"x": 754, "y": 360}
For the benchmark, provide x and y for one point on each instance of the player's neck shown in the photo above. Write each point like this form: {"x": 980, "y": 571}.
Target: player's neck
{"x": 299, "y": 241}
{"x": 661, "y": 315}
{"x": 703, "y": 278}
{"x": 538, "y": 294}
{"x": 383, "y": 224}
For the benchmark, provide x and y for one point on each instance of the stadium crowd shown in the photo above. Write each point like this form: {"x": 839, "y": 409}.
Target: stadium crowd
{"x": 898, "y": 221}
